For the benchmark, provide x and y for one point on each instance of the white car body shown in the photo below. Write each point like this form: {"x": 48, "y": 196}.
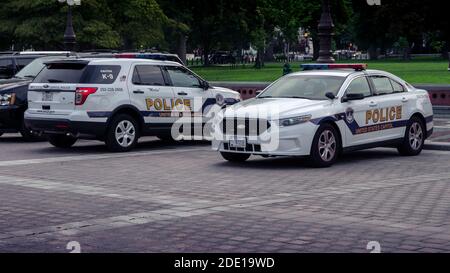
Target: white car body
{"x": 351, "y": 118}
{"x": 52, "y": 108}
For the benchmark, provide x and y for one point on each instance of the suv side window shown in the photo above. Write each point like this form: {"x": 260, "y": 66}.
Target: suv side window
{"x": 359, "y": 86}
{"x": 148, "y": 75}
{"x": 182, "y": 78}
{"x": 6, "y": 68}
{"x": 382, "y": 85}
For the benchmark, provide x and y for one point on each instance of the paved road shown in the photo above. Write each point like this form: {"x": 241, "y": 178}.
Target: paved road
{"x": 164, "y": 198}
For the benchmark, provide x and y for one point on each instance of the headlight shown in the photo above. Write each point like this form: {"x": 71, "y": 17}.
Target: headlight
{"x": 294, "y": 120}
{"x": 7, "y": 99}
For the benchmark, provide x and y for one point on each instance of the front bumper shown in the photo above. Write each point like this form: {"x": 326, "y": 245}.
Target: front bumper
{"x": 11, "y": 118}
{"x": 293, "y": 140}
{"x": 63, "y": 126}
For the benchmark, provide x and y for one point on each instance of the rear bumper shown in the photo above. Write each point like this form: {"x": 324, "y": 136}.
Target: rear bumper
{"x": 63, "y": 126}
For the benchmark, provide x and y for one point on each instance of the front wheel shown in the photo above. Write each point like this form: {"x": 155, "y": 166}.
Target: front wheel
{"x": 414, "y": 139}
{"x": 235, "y": 157}
{"x": 122, "y": 134}
{"x": 62, "y": 141}
{"x": 325, "y": 146}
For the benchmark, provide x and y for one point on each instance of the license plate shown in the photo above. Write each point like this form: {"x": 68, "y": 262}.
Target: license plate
{"x": 238, "y": 143}
{"x": 47, "y": 96}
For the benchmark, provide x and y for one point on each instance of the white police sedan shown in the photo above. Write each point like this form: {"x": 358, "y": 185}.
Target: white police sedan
{"x": 323, "y": 111}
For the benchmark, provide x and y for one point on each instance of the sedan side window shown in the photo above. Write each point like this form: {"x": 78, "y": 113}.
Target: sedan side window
{"x": 182, "y": 78}
{"x": 398, "y": 88}
{"x": 382, "y": 85}
{"x": 359, "y": 86}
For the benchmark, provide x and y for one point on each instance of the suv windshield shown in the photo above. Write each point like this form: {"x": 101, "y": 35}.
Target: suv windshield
{"x": 304, "y": 86}
{"x": 32, "y": 69}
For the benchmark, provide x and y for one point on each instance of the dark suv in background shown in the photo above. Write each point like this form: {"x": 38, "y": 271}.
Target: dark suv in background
{"x": 13, "y": 96}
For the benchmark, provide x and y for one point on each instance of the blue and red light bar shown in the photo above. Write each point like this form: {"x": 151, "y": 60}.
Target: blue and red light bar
{"x": 134, "y": 56}
{"x": 357, "y": 67}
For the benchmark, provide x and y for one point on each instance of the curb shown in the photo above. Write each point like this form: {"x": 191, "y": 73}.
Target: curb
{"x": 439, "y": 146}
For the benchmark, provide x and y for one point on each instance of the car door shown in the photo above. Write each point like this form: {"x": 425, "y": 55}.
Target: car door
{"x": 188, "y": 90}
{"x": 355, "y": 112}
{"x": 388, "y": 116}
{"x": 152, "y": 95}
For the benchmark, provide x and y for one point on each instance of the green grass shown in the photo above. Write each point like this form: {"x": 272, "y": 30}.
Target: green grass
{"x": 417, "y": 71}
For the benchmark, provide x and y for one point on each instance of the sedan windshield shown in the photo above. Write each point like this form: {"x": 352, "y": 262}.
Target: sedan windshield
{"x": 304, "y": 86}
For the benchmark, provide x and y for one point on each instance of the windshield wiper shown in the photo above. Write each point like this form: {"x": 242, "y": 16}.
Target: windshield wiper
{"x": 265, "y": 97}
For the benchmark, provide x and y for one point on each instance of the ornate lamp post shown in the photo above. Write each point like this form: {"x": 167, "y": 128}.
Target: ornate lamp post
{"x": 69, "y": 34}
{"x": 325, "y": 34}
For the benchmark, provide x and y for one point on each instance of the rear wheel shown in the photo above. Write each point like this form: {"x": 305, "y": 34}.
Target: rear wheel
{"x": 325, "y": 146}
{"x": 414, "y": 138}
{"x": 235, "y": 157}
{"x": 62, "y": 141}
{"x": 122, "y": 134}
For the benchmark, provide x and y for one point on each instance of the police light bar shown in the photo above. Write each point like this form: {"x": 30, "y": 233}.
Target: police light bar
{"x": 135, "y": 56}
{"x": 357, "y": 67}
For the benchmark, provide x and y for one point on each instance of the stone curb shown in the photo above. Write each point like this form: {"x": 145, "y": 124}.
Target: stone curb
{"x": 440, "y": 146}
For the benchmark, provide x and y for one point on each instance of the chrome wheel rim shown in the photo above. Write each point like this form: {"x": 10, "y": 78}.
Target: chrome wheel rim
{"x": 327, "y": 145}
{"x": 125, "y": 133}
{"x": 415, "y": 136}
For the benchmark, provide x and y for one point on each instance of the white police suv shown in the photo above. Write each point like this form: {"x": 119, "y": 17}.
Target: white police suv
{"x": 323, "y": 111}
{"x": 116, "y": 100}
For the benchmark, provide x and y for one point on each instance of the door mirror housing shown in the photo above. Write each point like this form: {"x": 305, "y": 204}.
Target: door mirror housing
{"x": 205, "y": 85}
{"x": 355, "y": 96}
{"x": 330, "y": 95}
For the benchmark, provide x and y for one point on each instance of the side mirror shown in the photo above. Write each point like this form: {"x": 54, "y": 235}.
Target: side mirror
{"x": 350, "y": 97}
{"x": 330, "y": 95}
{"x": 206, "y": 85}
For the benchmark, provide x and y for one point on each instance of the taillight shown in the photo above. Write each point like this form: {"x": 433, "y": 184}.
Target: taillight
{"x": 82, "y": 93}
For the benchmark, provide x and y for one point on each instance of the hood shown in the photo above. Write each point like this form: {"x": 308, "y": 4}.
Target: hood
{"x": 6, "y": 85}
{"x": 275, "y": 107}
{"x": 225, "y": 91}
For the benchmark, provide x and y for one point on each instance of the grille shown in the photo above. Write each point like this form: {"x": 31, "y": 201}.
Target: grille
{"x": 249, "y": 148}
{"x": 244, "y": 127}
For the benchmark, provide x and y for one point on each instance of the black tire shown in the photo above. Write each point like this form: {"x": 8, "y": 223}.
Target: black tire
{"x": 62, "y": 141}
{"x": 27, "y": 135}
{"x": 327, "y": 153}
{"x": 412, "y": 145}
{"x": 235, "y": 157}
{"x": 130, "y": 139}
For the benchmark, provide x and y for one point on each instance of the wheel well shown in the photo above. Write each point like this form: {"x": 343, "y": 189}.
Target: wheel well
{"x": 131, "y": 112}
{"x": 337, "y": 130}
{"x": 422, "y": 118}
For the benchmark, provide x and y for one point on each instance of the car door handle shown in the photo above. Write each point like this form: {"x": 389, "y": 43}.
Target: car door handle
{"x": 404, "y": 99}
{"x": 138, "y": 92}
{"x": 373, "y": 104}
{"x": 182, "y": 93}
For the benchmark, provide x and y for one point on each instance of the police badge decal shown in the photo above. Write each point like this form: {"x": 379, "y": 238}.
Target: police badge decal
{"x": 220, "y": 100}
{"x": 349, "y": 115}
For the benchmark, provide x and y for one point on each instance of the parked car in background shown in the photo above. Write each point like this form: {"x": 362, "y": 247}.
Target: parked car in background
{"x": 12, "y": 62}
{"x": 13, "y": 97}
